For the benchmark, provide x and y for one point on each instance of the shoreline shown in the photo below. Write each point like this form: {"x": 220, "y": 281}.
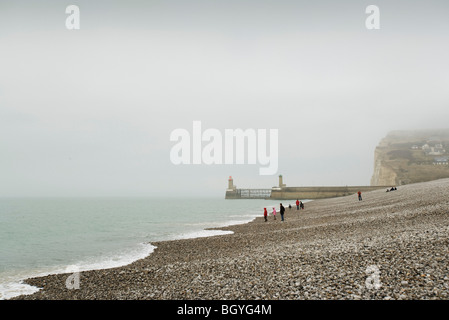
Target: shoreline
{"x": 323, "y": 252}
{"x": 20, "y": 283}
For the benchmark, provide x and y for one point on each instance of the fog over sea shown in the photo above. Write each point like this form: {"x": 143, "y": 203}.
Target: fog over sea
{"x": 40, "y": 236}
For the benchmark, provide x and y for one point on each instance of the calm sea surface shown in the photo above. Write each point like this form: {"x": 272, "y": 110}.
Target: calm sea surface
{"x": 39, "y": 236}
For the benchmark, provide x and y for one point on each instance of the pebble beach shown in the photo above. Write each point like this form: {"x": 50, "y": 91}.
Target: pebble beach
{"x": 389, "y": 246}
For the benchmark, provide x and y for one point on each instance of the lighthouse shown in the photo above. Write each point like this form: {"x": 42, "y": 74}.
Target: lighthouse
{"x": 281, "y": 184}
{"x": 231, "y": 186}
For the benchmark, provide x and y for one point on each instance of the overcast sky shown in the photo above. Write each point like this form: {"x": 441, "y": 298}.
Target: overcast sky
{"x": 89, "y": 112}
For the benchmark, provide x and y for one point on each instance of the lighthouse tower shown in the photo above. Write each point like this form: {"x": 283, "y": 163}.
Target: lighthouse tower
{"x": 281, "y": 184}
{"x": 231, "y": 186}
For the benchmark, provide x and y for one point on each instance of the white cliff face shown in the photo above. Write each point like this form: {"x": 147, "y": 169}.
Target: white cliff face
{"x": 383, "y": 174}
{"x": 376, "y": 173}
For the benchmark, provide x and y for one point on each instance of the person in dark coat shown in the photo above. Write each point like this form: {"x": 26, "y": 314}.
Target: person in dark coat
{"x": 282, "y": 212}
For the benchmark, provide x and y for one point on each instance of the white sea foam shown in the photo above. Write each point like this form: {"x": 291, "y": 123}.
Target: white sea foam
{"x": 13, "y": 288}
{"x": 200, "y": 234}
{"x": 205, "y": 232}
{"x": 11, "y": 284}
{"x": 117, "y": 260}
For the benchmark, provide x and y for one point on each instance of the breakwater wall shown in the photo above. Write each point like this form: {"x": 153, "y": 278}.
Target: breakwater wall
{"x": 282, "y": 192}
{"x": 293, "y": 193}
{"x": 302, "y": 193}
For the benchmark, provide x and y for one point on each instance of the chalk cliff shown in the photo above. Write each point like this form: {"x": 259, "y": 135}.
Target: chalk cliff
{"x": 404, "y": 157}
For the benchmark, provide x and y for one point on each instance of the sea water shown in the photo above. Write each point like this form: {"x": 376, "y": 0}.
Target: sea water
{"x": 41, "y": 236}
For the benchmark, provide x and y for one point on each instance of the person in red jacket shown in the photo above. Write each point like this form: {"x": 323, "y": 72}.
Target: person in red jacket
{"x": 360, "y": 195}
{"x": 297, "y": 204}
{"x": 265, "y": 214}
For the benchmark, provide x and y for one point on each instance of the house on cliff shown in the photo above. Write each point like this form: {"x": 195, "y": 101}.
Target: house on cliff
{"x": 436, "y": 150}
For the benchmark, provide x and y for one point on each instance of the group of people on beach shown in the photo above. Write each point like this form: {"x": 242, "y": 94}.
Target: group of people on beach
{"x": 299, "y": 205}
{"x": 392, "y": 189}
{"x": 282, "y": 212}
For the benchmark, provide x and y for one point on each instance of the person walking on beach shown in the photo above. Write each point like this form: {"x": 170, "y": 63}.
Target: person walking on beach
{"x": 360, "y": 195}
{"x": 274, "y": 213}
{"x": 282, "y": 212}
{"x": 297, "y": 204}
{"x": 265, "y": 214}
{"x": 301, "y": 205}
